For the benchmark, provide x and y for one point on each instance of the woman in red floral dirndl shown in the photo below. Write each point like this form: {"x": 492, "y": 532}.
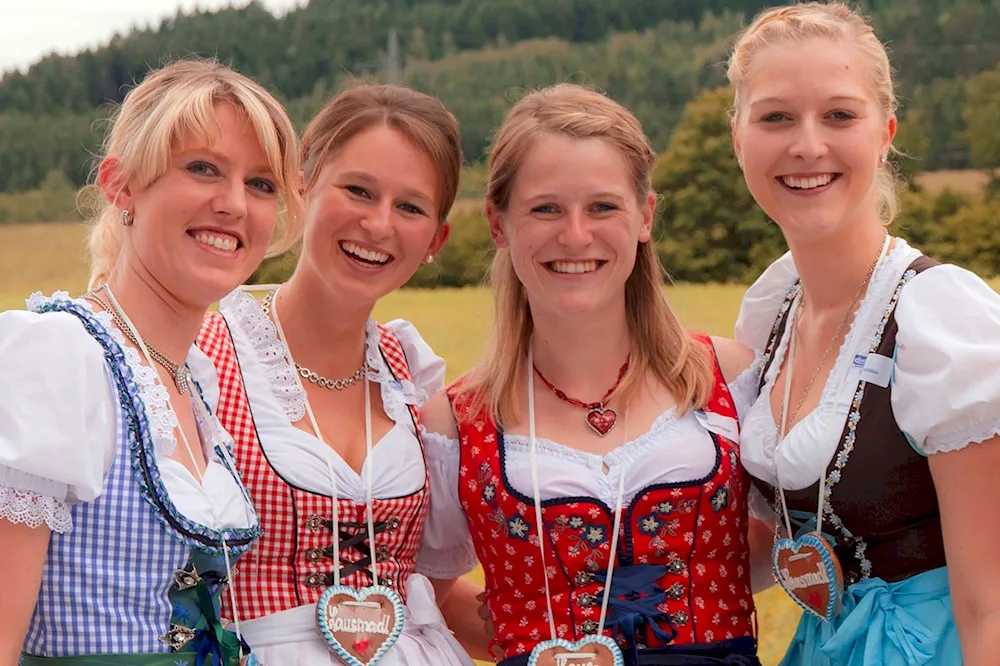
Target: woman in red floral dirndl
{"x": 594, "y": 450}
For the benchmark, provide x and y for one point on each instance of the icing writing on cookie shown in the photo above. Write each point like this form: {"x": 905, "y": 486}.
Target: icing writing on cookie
{"x": 819, "y": 577}
{"x": 356, "y": 625}
{"x": 563, "y": 659}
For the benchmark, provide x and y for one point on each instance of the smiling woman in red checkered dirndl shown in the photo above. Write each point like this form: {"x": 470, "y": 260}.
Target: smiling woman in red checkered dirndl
{"x": 322, "y": 401}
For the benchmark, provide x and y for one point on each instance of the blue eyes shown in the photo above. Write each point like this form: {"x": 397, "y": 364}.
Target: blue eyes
{"x": 262, "y": 185}
{"x": 839, "y": 116}
{"x": 408, "y": 208}
{"x": 552, "y": 209}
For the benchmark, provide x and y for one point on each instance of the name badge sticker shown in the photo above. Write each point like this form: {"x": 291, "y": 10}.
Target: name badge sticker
{"x": 720, "y": 425}
{"x": 407, "y": 389}
{"x": 877, "y": 370}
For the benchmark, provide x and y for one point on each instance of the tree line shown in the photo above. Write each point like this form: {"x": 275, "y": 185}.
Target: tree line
{"x": 652, "y": 55}
{"x": 708, "y": 227}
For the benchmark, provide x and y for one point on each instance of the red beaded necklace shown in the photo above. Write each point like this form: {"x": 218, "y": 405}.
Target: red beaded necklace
{"x": 600, "y": 418}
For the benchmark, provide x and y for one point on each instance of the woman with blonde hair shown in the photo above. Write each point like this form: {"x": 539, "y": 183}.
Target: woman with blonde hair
{"x": 121, "y": 511}
{"x": 593, "y": 450}
{"x": 323, "y": 403}
{"x": 880, "y": 366}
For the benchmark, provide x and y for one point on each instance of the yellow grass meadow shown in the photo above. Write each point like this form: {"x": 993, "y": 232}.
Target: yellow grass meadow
{"x": 47, "y": 257}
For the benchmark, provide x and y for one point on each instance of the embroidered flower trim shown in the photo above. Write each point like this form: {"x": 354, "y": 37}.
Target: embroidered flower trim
{"x": 847, "y": 444}
{"x": 853, "y": 418}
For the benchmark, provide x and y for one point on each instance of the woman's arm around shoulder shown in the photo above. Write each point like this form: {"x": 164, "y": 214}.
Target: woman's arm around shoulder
{"x": 734, "y": 357}
{"x": 739, "y": 367}
{"x": 437, "y": 416}
{"x": 460, "y": 599}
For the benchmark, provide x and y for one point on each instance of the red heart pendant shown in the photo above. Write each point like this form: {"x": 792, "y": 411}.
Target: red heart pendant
{"x": 361, "y": 647}
{"x": 601, "y": 420}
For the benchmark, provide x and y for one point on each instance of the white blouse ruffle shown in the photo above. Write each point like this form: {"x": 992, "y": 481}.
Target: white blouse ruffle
{"x": 674, "y": 449}
{"x": 60, "y": 425}
{"x": 944, "y": 392}
{"x": 397, "y": 461}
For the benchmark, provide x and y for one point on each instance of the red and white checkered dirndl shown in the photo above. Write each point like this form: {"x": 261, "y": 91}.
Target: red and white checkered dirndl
{"x": 292, "y": 563}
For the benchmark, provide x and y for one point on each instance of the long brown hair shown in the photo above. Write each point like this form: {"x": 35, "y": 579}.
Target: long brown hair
{"x": 660, "y": 344}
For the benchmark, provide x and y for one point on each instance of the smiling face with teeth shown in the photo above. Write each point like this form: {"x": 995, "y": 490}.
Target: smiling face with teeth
{"x": 202, "y": 227}
{"x": 371, "y": 218}
{"x": 573, "y": 224}
{"x": 810, "y": 132}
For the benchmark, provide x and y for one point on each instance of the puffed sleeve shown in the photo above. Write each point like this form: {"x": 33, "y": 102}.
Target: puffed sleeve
{"x": 946, "y": 383}
{"x": 426, "y": 367}
{"x": 58, "y": 418}
{"x": 762, "y": 301}
{"x": 446, "y": 551}
{"x": 745, "y": 388}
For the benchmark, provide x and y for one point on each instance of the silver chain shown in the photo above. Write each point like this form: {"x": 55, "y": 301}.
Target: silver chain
{"x": 829, "y": 347}
{"x": 178, "y": 371}
{"x": 310, "y": 375}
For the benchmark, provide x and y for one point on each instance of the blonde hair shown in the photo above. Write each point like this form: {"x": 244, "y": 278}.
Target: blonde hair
{"x": 174, "y": 101}
{"x": 421, "y": 118}
{"x": 835, "y": 21}
{"x": 660, "y": 344}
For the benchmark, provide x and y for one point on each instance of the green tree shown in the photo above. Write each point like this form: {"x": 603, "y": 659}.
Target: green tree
{"x": 971, "y": 238}
{"x": 982, "y": 118}
{"x": 920, "y": 220}
{"x": 709, "y": 228}
{"x": 913, "y": 142}
{"x": 465, "y": 258}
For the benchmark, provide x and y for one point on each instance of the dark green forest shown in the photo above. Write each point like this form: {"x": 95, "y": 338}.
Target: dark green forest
{"x": 652, "y": 55}
{"x": 663, "y": 59}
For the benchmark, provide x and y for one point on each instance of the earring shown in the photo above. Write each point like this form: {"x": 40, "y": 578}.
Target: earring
{"x": 127, "y": 218}
{"x": 429, "y": 259}
{"x": 739, "y": 161}
{"x": 883, "y": 159}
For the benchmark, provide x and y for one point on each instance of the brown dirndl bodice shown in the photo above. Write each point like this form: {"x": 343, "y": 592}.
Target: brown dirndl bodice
{"x": 882, "y": 508}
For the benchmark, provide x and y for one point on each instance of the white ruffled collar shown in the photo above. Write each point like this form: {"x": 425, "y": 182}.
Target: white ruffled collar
{"x": 243, "y": 310}
{"x": 822, "y": 426}
{"x": 162, "y": 418}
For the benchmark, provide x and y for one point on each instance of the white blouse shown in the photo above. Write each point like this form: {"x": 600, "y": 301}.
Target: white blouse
{"x": 278, "y": 399}
{"x": 945, "y": 379}
{"x": 674, "y": 450}
{"x": 60, "y": 425}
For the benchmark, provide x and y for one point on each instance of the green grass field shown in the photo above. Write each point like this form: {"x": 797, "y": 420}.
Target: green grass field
{"x": 46, "y": 257}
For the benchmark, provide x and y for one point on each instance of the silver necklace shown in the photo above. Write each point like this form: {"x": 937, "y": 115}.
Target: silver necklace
{"x": 178, "y": 371}
{"x": 310, "y": 375}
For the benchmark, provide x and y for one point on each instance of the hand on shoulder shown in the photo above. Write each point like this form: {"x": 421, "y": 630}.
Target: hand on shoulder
{"x": 734, "y": 358}
{"x": 437, "y": 416}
